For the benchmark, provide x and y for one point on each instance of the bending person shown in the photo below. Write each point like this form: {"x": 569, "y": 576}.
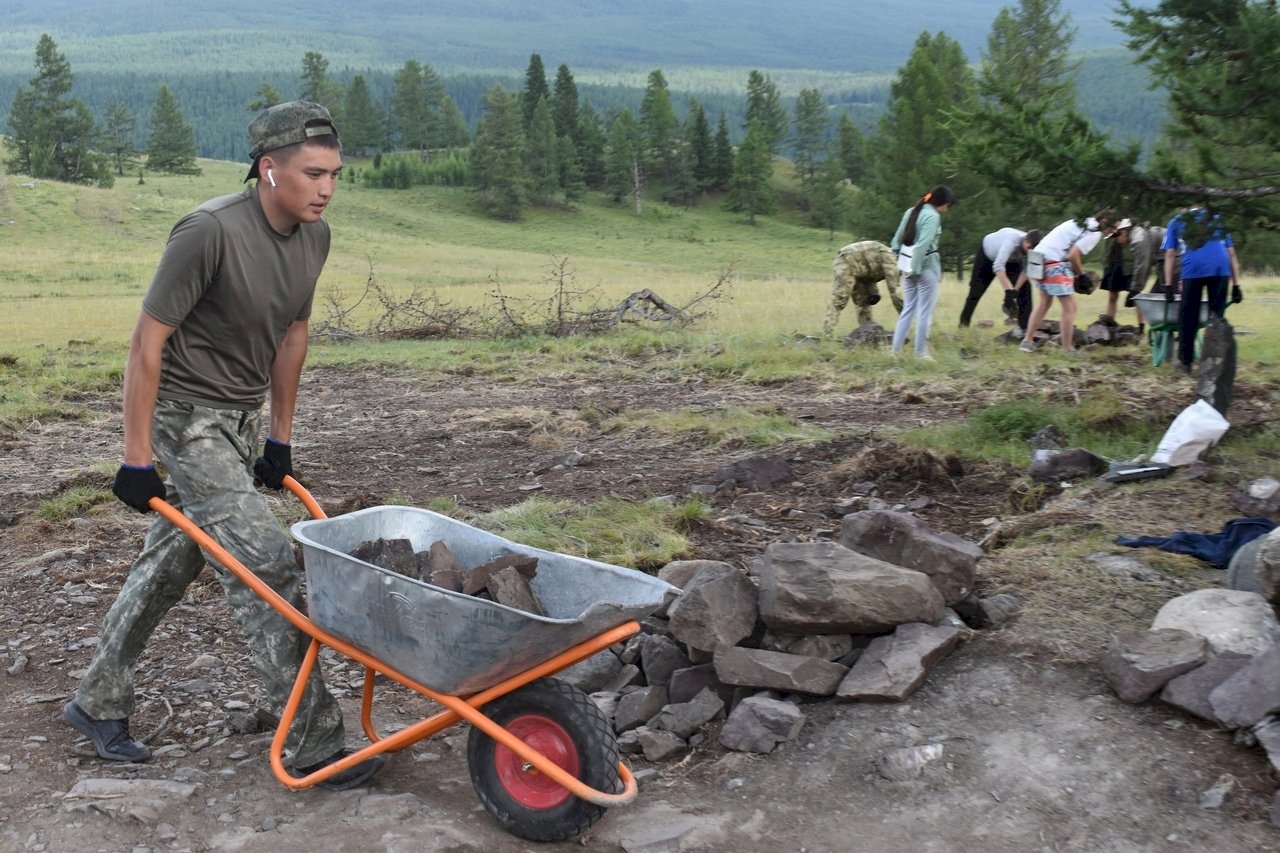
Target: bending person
{"x": 1001, "y": 255}
{"x": 1064, "y": 249}
{"x": 857, "y": 271}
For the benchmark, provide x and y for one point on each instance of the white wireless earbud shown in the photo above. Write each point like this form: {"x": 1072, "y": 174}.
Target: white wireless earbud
{"x": 271, "y": 177}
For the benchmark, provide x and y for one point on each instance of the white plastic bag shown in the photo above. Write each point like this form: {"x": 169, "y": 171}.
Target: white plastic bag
{"x": 1196, "y": 428}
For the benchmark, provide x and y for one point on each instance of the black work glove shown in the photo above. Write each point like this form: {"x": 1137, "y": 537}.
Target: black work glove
{"x": 1010, "y": 305}
{"x": 1169, "y": 295}
{"x": 873, "y": 298}
{"x": 136, "y": 485}
{"x": 1129, "y": 301}
{"x": 1083, "y": 283}
{"x": 1237, "y": 295}
{"x": 275, "y": 463}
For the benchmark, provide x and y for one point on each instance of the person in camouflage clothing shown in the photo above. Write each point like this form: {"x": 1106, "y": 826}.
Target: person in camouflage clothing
{"x": 222, "y": 327}
{"x": 858, "y": 269}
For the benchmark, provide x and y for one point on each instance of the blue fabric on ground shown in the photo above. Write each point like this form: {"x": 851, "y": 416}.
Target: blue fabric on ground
{"x": 1215, "y": 548}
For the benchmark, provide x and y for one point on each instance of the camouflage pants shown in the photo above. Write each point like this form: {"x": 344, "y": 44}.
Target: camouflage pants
{"x": 208, "y": 454}
{"x": 863, "y": 292}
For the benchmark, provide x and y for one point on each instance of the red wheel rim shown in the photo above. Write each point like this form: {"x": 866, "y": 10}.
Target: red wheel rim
{"x": 526, "y": 785}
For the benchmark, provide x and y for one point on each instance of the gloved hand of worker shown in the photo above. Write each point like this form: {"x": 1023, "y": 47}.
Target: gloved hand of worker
{"x": 275, "y": 463}
{"x": 1169, "y": 294}
{"x": 1237, "y": 295}
{"x": 873, "y": 298}
{"x": 1010, "y": 305}
{"x": 1129, "y": 300}
{"x": 136, "y": 485}
{"x": 1083, "y": 283}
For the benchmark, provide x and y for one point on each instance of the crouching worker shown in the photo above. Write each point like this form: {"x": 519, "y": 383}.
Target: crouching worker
{"x": 223, "y": 325}
{"x": 857, "y": 271}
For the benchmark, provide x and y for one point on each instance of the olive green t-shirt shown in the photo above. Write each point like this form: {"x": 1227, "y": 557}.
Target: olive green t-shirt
{"x": 231, "y": 285}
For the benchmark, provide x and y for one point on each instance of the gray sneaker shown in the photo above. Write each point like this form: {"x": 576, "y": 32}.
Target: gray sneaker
{"x": 1026, "y": 347}
{"x": 110, "y": 738}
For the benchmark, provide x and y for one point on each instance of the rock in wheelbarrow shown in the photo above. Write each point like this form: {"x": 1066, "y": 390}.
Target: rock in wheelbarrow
{"x": 506, "y": 581}
{"x": 393, "y": 554}
{"x": 439, "y": 567}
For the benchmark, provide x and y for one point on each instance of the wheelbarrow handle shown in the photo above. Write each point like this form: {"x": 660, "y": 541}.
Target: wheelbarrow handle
{"x": 179, "y": 519}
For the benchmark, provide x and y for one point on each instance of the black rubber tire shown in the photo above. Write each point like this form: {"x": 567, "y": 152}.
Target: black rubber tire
{"x": 585, "y": 725}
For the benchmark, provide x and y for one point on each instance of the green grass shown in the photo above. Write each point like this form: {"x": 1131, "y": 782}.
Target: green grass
{"x": 72, "y": 502}
{"x": 638, "y": 535}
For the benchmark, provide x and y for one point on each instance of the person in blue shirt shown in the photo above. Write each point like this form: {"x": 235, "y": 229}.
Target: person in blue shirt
{"x": 1200, "y": 240}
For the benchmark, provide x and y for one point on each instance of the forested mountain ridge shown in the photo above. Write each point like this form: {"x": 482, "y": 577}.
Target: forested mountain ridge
{"x": 857, "y": 36}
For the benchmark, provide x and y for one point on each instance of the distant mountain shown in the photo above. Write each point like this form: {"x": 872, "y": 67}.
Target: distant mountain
{"x": 850, "y": 36}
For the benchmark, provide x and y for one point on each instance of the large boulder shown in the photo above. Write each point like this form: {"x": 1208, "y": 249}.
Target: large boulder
{"x": 717, "y": 608}
{"x": 778, "y": 671}
{"x": 825, "y": 588}
{"x": 1138, "y": 663}
{"x": 1251, "y": 693}
{"x": 893, "y": 667}
{"x": 902, "y": 539}
{"x": 1231, "y": 620}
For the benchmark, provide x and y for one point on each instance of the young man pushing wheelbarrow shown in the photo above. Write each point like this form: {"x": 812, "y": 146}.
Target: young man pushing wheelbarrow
{"x": 223, "y": 325}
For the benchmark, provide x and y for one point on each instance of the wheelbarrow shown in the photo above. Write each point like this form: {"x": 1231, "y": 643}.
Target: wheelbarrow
{"x": 542, "y": 757}
{"x": 1163, "y": 316}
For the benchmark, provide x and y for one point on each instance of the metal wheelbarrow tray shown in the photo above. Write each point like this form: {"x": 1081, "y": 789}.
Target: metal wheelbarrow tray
{"x": 448, "y": 641}
{"x": 1155, "y": 309}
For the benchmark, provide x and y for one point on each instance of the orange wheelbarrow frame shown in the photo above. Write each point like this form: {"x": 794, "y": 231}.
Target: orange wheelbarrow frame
{"x": 456, "y": 708}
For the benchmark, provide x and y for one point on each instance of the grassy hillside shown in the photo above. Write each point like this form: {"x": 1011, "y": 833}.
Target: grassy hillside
{"x": 425, "y": 238}
{"x": 75, "y": 261}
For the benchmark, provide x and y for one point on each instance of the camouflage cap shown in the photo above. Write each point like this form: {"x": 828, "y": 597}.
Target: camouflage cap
{"x": 286, "y": 124}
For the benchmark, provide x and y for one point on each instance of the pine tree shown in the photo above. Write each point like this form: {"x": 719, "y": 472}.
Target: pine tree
{"x": 591, "y": 146}
{"x": 497, "y": 156}
{"x": 764, "y": 105}
{"x": 318, "y": 88}
{"x": 363, "y": 129}
{"x": 564, "y": 105}
{"x": 453, "y": 132}
{"x": 723, "y": 170}
{"x": 572, "y": 173}
{"x": 50, "y": 134}
{"x": 171, "y": 145}
{"x": 701, "y": 147}
{"x": 541, "y": 162}
{"x": 535, "y": 89}
{"x": 1029, "y": 52}
{"x": 852, "y": 150}
{"x": 658, "y": 127}
{"x": 749, "y": 190}
{"x": 266, "y": 96}
{"x": 416, "y": 103}
{"x": 809, "y": 132}
{"x": 825, "y": 195}
{"x": 916, "y": 146}
{"x": 116, "y": 139}
{"x": 622, "y": 176}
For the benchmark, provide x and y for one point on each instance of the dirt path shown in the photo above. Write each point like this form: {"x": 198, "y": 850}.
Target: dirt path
{"x": 1037, "y": 755}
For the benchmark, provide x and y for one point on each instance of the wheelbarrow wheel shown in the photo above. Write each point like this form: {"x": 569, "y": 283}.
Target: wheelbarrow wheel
{"x": 562, "y": 723}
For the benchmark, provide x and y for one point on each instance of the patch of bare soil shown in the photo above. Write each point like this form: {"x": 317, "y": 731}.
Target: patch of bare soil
{"x": 1037, "y": 754}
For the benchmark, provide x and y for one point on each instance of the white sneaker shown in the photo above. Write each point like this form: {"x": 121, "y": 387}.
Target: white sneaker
{"x": 1026, "y": 347}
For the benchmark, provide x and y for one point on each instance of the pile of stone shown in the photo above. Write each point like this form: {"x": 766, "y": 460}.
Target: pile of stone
{"x": 1215, "y": 654}
{"x": 505, "y": 579}
{"x": 861, "y": 619}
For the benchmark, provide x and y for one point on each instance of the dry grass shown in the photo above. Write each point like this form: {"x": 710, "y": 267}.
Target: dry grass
{"x": 1072, "y": 607}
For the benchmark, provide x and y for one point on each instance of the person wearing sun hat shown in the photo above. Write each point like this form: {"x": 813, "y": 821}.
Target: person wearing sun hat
{"x": 223, "y": 328}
